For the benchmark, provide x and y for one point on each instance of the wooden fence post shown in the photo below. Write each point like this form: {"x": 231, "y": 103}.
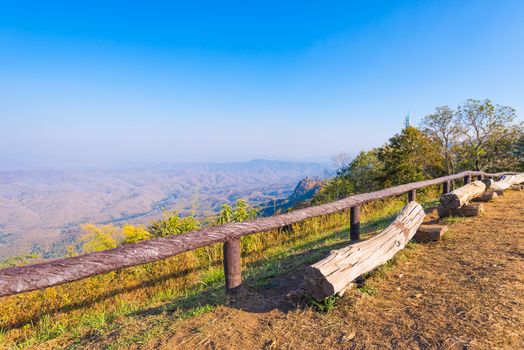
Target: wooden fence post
{"x": 232, "y": 264}
{"x": 467, "y": 179}
{"x": 446, "y": 187}
{"x": 354, "y": 223}
{"x": 412, "y": 195}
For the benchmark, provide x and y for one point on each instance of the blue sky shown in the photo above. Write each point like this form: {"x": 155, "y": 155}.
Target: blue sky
{"x": 101, "y": 83}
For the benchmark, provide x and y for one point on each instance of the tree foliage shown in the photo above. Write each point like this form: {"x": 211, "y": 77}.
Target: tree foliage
{"x": 488, "y": 135}
{"x": 477, "y": 136}
{"x": 362, "y": 174}
{"x": 408, "y": 157}
{"x": 442, "y": 127}
{"x": 519, "y": 152}
{"x": 98, "y": 238}
{"x": 240, "y": 211}
{"x": 366, "y": 172}
{"x": 172, "y": 224}
{"x": 336, "y": 188}
{"x": 133, "y": 234}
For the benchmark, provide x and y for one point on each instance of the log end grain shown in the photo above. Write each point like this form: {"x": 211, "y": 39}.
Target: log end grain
{"x": 465, "y": 211}
{"x": 429, "y": 233}
{"x": 315, "y": 284}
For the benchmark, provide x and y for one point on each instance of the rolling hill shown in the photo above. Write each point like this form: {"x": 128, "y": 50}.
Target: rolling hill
{"x": 42, "y": 210}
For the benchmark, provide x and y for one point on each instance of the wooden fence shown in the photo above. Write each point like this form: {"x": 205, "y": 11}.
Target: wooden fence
{"x": 19, "y": 279}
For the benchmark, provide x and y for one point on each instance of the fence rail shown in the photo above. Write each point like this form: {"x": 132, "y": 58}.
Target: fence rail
{"x": 19, "y": 279}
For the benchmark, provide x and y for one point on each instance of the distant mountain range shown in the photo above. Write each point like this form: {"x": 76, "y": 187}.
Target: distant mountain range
{"x": 42, "y": 210}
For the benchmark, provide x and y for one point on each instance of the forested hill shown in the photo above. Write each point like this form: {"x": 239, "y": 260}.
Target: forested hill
{"x": 301, "y": 196}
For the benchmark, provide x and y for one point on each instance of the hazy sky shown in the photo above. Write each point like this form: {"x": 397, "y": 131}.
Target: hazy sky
{"x": 103, "y": 83}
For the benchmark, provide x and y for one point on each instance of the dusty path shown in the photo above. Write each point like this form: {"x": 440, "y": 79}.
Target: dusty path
{"x": 465, "y": 292}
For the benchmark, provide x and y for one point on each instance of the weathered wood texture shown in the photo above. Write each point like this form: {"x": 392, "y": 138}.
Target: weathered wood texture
{"x": 517, "y": 179}
{"x": 446, "y": 187}
{"x": 464, "y": 211}
{"x": 354, "y": 223}
{"x": 334, "y": 274}
{"x": 462, "y": 195}
{"x": 506, "y": 182}
{"x": 232, "y": 264}
{"x": 429, "y": 233}
{"x": 487, "y": 196}
{"x": 15, "y": 280}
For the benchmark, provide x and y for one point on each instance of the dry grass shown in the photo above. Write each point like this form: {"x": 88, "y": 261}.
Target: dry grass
{"x": 132, "y": 306}
{"x": 465, "y": 292}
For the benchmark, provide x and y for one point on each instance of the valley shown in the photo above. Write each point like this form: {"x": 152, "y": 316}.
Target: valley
{"x": 43, "y": 210}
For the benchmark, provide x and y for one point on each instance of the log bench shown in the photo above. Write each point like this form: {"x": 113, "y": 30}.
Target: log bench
{"x": 334, "y": 274}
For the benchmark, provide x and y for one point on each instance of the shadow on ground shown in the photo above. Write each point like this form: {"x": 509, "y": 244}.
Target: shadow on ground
{"x": 263, "y": 292}
{"x": 268, "y": 283}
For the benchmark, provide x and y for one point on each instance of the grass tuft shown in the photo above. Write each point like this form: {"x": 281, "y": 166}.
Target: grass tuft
{"x": 325, "y": 305}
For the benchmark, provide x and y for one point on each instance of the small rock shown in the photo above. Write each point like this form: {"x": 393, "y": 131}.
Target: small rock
{"x": 401, "y": 275}
{"x": 347, "y": 337}
{"x": 398, "y": 288}
{"x": 270, "y": 344}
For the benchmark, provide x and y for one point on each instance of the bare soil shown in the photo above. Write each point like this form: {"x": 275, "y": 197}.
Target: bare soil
{"x": 464, "y": 292}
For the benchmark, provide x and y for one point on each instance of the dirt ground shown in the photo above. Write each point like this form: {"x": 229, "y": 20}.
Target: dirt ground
{"x": 464, "y": 292}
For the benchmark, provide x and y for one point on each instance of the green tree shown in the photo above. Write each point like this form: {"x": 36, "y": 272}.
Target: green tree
{"x": 489, "y": 136}
{"x": 335, "y": 188}
{"x": 443, "y": 128}
{"x": 241, "y": 211}
{"x": 519, "y": 152}
{"x": 98, "y": 238}
{"x": 366, "y": 172}
{"x": 362, "y": 174}
{"x": 133, "y": 234}
{"x": 410, "y": 156}
{"x": 226, "y": 214}
{"x": 172, "y": 224}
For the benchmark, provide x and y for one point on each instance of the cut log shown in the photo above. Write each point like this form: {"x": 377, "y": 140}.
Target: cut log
{"x": 506, "y": 182}
{"x": 334, "y": 274}
{"x": 488, "y": 183}
{"x": 487, "y": 196}
{"x": 516, "y": 179}
{"x": 462, "y": 195}
{"x": 464, "y": 211}
{"x": 429, "y": 233}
